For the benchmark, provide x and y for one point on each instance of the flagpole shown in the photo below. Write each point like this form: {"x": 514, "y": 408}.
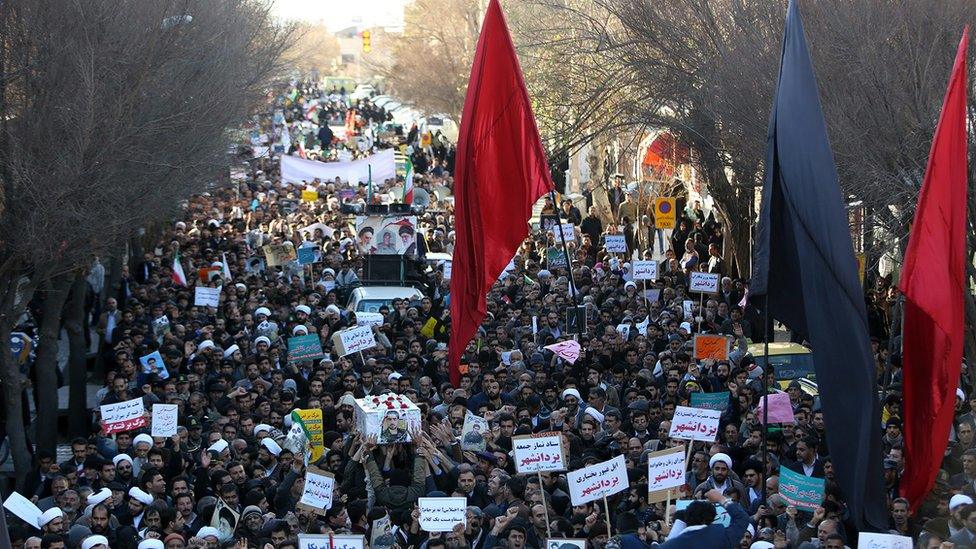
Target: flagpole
{"x": 765, "y": 382}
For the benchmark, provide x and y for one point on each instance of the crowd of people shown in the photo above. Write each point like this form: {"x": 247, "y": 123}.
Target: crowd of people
{"x": 227, "y": 370}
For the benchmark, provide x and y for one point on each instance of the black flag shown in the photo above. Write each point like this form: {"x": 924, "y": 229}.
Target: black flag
{"x": 805, "y": 265}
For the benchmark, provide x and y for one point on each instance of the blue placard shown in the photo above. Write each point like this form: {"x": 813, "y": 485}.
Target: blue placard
{"x": 799, "y": 490}
{"x": 710, "y": 401}
{"x": 306, "y": 347}
{"x": 306, "y": 255}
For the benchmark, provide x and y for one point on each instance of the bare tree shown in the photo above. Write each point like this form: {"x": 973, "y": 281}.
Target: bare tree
{"x": 112, "y": 113}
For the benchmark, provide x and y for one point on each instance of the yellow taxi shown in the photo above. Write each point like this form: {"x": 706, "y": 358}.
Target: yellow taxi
{"x": 790, "y": 361}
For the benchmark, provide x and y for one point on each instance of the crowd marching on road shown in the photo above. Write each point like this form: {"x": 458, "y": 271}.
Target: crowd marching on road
{"x": 611, "y": 388}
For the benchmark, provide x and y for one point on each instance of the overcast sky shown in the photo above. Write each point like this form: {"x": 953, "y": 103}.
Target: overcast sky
{"x": 340, "y": 14}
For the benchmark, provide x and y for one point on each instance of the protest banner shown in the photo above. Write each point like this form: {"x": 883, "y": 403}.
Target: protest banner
{"x": 695, "y": 424}
{"x": 556, "y": 259}
{"x": 124, "y": 416}
{"x": 664, "y": 212}
{"x": 153, "y": 364}
{"x": 706, "y": 283}
{"x": 541, "y": 452}
{"x": 317, "y": 494}
{"x": 688, "y": 308}
{"x": 665, "y": 472}
{"x": 615, "y": 244}
{"x": 870, "y": 540}
{"x": 277, "y": 255}
{"x": 568, "y": 350}
{"x": 568, "y": 232}
{"x": 624, "y": 331}
{"x": 473, "y": 433}
{"x": 331, "y": 541}
{"x": 565, "y": 543}
{"x": 23, "y": 508}
{"x": 442, "y": 514}
{"x": 311, "y": 422}
{"x": 380, "y": 166}
{"x": 447, "y": 270}
{"x": 164, "y": 420}
{"x": 309, "y": 195}
{"x": 799, "y": 490}
{"x": 353, "y": 340}
{"x": 547, "y": 222}
{"x": 386, "y": 235}
{"x": 714, "y": 347}
{"x": 710, "y": 401}
{"x": 598, "y": 480}
{"x": 369, "y": 319}
{"x": 780, "y": 408}
{"x": 308, "y": 255}
{"x": 306, "y": 347}
{"x": 381, "y": 533}
{"x": 645, "y": 270}
{"x": 225, "y": 520}
{"x": 206, "y": 297}
{"x": 652, "y": 294}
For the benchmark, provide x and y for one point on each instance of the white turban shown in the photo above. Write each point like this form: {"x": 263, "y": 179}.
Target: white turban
{"x": 264, "y": 339}
{"x": 218, "y": 446}
{"x": 271, "y": 445}
{"x": 204, "y": 345}
{"x": 94, "y": 541}
{"x": 299, "y": 329}
{"x": 303, "y": 309}
{"x": 205, "y": 532}
{"x": 231, "y": 350}
{"x": 591, "y": 411}
{"x": 140, "y": 495}
{"x": 959, "y": 499}
{"x": 262, "y": 311}
{"x": 48, "y": 516}
{"x": 572, "y": 391}
{"x": 261, "y": 427}
{"x": 142, "y": 438}
{"x": 121, "y": 457}
{"x": 99, "y": 496}
{"x": 720, "y": 457}
{"x": 151, "y": 544}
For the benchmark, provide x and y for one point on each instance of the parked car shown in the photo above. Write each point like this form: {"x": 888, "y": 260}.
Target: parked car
{"x": 369, "y": 299}
{"x": 790, "y": 361}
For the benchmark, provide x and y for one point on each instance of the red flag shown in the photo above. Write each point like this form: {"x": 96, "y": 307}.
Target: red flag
{"x": 933, "y": 281}
{"x": 501, "y": 170}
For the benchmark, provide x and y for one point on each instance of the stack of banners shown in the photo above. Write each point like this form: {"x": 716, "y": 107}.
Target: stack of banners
{"x": 331, "y": 541}
{"x": 540, "y": 453}
{"x": 380, "y": 167}
{"x": 473, "y": 433}
{"x": 665, "y": 472}
{"x": 442, "y": 514}
{"x": 306, "y": 435}
{"x": 598, "y": 480}
{"x": 119, "y": 417}
{"x": 695, "y": 424}
{"x": 318, "y": 491}
{"x": 225, "y": 520}
{"x": 389, "y": 417}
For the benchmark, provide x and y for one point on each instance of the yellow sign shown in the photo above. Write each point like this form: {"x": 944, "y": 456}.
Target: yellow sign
{"x": 312, "y": 419}
{"x": 664, "y": 213}
{"x": 310, "y": 196}
{"x": 861, "y": 266}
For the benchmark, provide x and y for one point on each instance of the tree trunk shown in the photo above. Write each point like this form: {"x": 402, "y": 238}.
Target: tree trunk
{"x": 114, "y": 282}
{"x": 13, "y": 382}
{"x": 76, "y": 322}
{"x": 46, "y": 364}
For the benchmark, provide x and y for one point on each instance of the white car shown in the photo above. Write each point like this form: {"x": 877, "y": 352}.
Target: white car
{"x": 363, "y": 91}
{"x": 369, "y": 299}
